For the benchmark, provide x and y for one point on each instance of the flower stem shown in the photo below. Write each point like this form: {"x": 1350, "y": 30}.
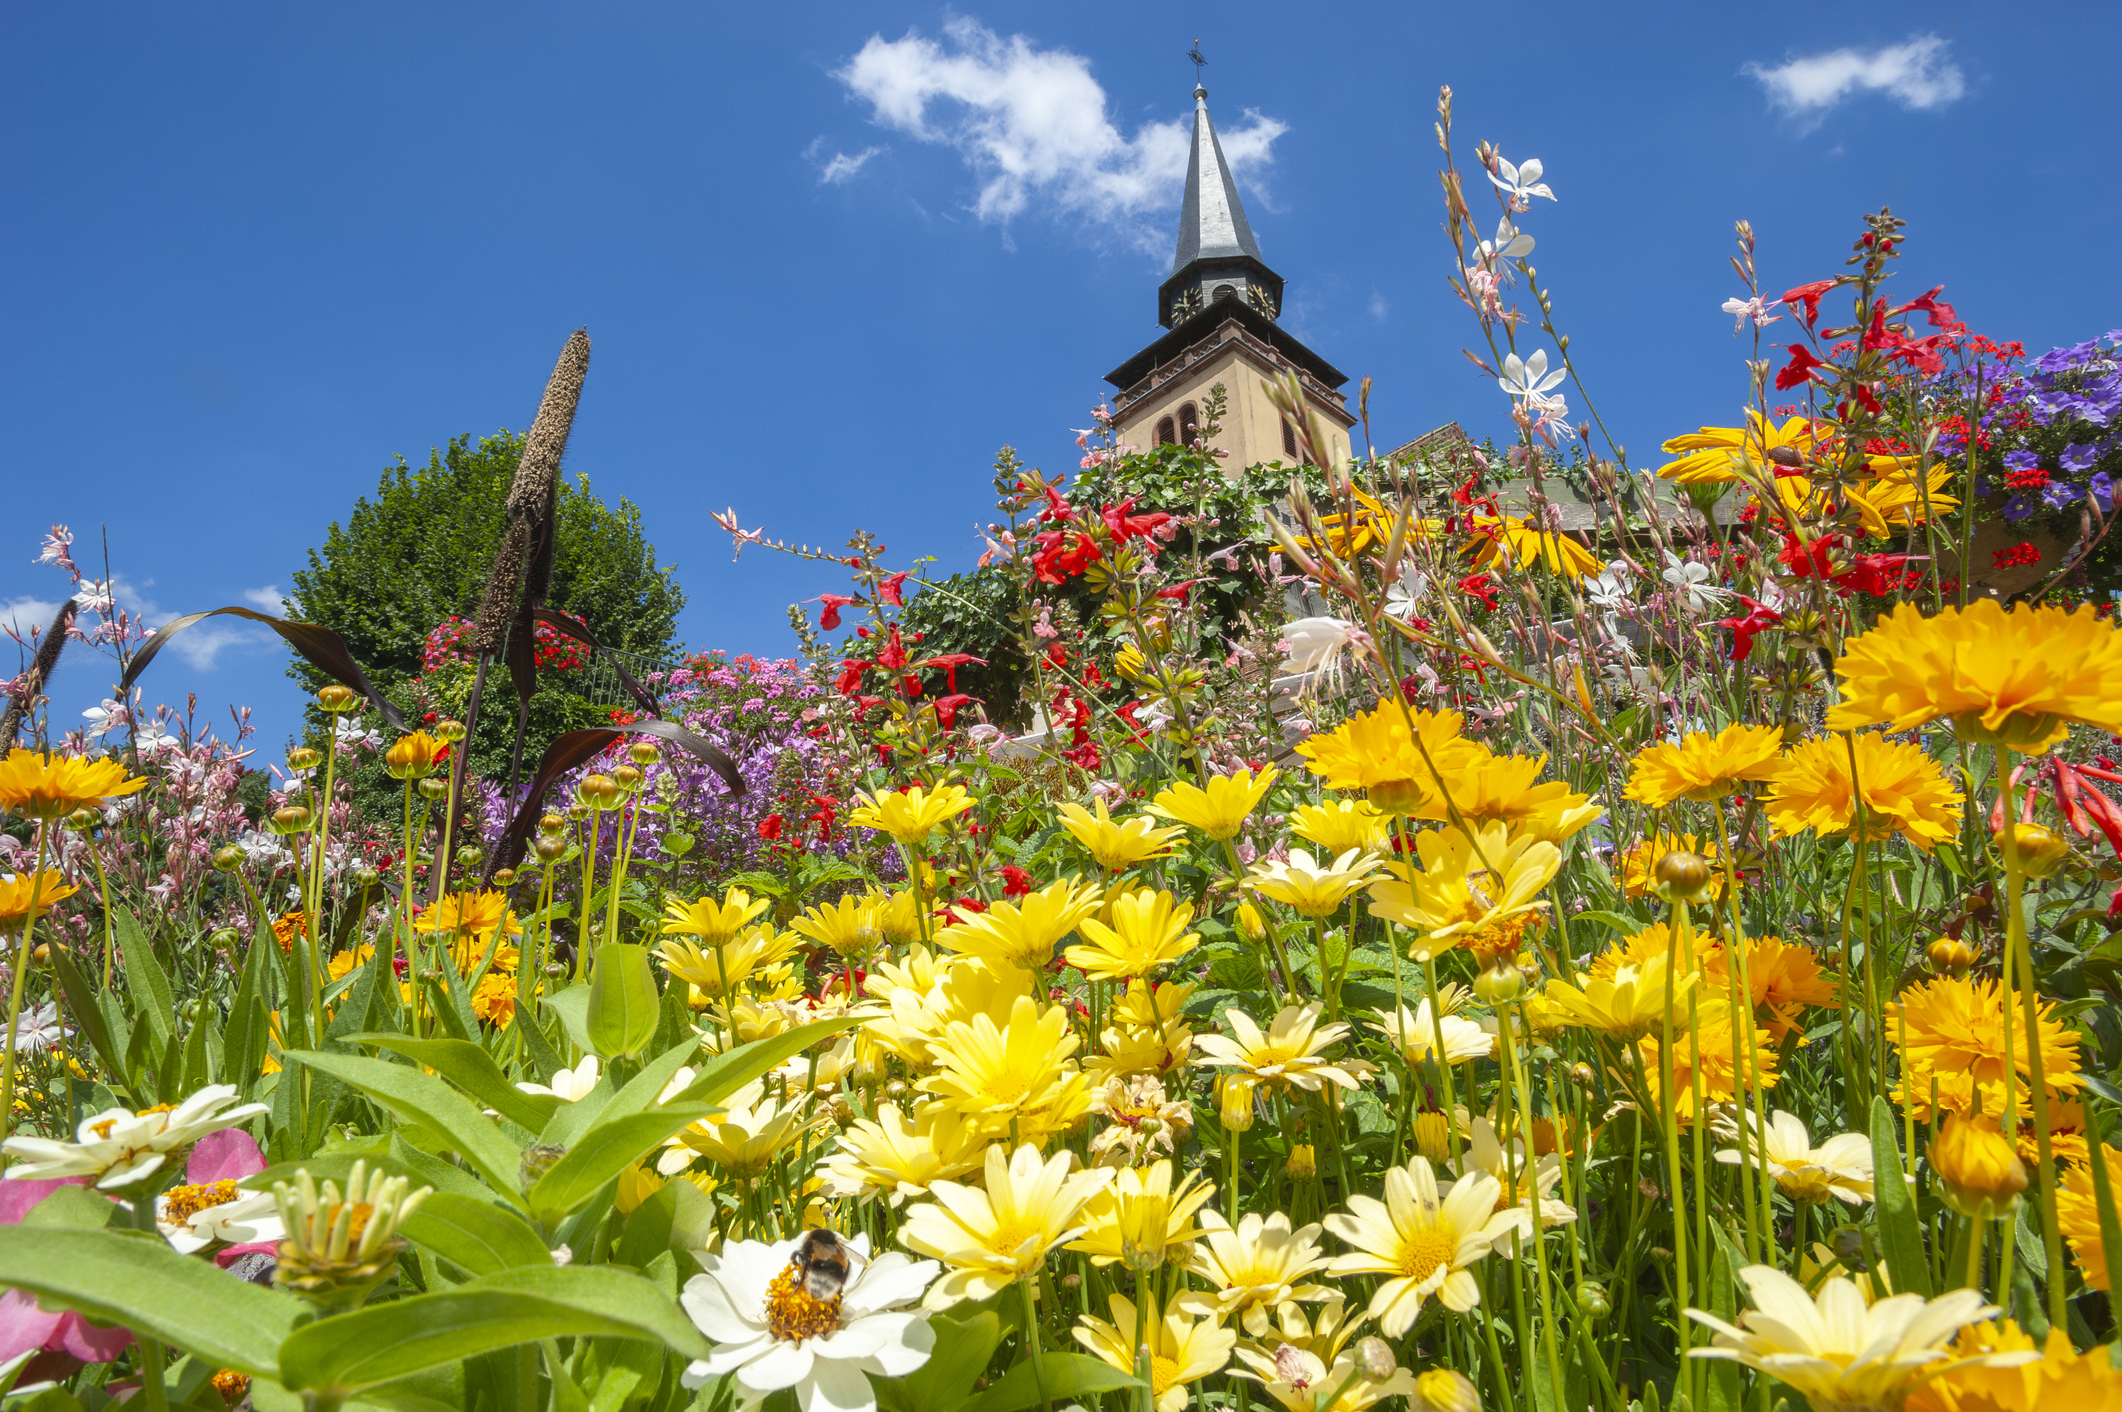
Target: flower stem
{"x": 1031, "y": 1343}
{"x": 14, "y": 998}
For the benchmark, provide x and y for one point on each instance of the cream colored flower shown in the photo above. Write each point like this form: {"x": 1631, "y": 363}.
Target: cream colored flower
{"x": 1840, "y": 1168}
{"x": 1414, "y": 1033}
{"x": 1182, "y": 1349}
{"x": 1422, "y": 1240}
{"x": 118, "y": 1147}
{"x": 901, "y": 1157}
{"x": 1486, "y": 1153}
{"x": 1313, "y": 888}
{"x": 990, "y": 1238}
{"x": 1141, "y": 1219}
{"x": 1257, "y": 1267}
{"x": 1841, "y": 1353}
{"x": 743, "y": 1139}
{"x": 1292, "y": 1054}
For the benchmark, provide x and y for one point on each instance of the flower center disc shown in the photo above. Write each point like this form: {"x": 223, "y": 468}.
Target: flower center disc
{"x": 185, "y": 1202}
{"x": 793, "y": 1314}
{"x": 1424, "y": 1252}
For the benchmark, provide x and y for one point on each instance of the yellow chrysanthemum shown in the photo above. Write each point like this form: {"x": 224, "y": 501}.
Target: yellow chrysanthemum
{"x": 472, "y": 914}
{"x": 717, "y": 970}
{"x": 1707, "y": 1048}
{"x": 1023, "y": 933}
{"x": 1143, "y": 1219}
{"x": 2063, "y": 1380}
{"x": 1715, "y": 455}
{"x": 1256, "y": 1267}
{"x": 1626, "y": 1004}
{"x": 851, "y": 926}
{"x": 1902, "y": 791}
{"x": 1949, "y": 1033}
{"x": 1015, "y": 1073}
{"x": 743, "y": 1139}
{"x": 1378, "y": 752}
{"x": 1316, "y": 889}
{"x": 1117, "y": 846}
{"x": 2078, "y": 1216}
{"x": 1218, "y": 810}
{"x": 1639, "y": 863}
{"x": 1507, "y": 789}
{"x": 15, "y": 891}
{"x": 1421, "y": 1240}
{"x": 45, "y": 786}
{"x": 2016, "y": 679}
{"x": 1510, "y": 543}
{"x": 1183, "y": 1349}
{"x": 1290, "y": 1055}
{"x": 1704, "y": 767}
{"x": 900, "y": 1156}
{"x": 713, "y": 922}
{"x": 494, "y": 999}
{"x": 1468, "y": 889}
{"x": 911, "y": 814}
{"x": 1338, "y": 825}
{"x": 991, "y": 1236}
{"x": 1783, "y": 978}
{"x": 1148, "y": 930}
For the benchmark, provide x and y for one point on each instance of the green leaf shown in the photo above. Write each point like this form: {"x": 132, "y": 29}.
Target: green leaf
{"x": 1068, "y": 1375}
{"x": 81, "y": 1009}
{"x": 946, "y": 1380}
{"x": 129, "y": 1278}
{"x": 644, "y": 1088}
{"x": 677, "y": 1218}
{"x": 144, "y": 975}
{"x": 1899, "y": 1234}
{"x": 471, "y": 1068}
{"x": 74, "y": 1207}
{"x": 476, "y": 1235}
{"x": 623, "y": 1003}
{"x": 726, "y": 1073}
{"x": 572, "y": 1006}
{"x": 422, "y": 1099}
{"x": 605, "y": 1151}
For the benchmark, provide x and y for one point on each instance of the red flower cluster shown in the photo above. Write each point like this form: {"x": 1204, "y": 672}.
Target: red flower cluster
{"x": 2021, "y": 553}
{"x": 1073, "y": 545}
{"x": 551, "y": 650}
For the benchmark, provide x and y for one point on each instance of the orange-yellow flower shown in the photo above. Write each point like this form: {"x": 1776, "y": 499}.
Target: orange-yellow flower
{"x": 1950, "y": 1033}
{"x": 1379, "y": 753}
{"x": 15, "y": 890}
{"x": 2015, "y": 679}
{"x": 1899, "y": 786}
{"x": 1639, "y": 863}
{"x": 1715, "y": 455}
{"x": 53, "y": 786}
{"x": 2078, "y": 1216}
{"x": 473, "y": 913}
{"x": 1705, "y": 767}
{"x": 415, "y": 756}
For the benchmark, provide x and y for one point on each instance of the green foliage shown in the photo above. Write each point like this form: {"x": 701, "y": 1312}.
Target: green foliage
{"x": 418, "y": 552}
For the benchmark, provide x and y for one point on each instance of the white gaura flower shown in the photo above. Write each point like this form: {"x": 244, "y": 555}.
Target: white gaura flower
{"x": 1510, "y": 244}
{"x": 1316, "y": 646}
{"x": 1526, "y": 377}
{"x": 1405, "y": 593}
{"x": 194, "y": 1217}
{"x": 119, "y": 1147}
{"x": 568, "y": 1085}
{"x": 1691, "y": 581}
{"x": 1743, "y": 309}
{"x": 1841, "y": 1353}
{"x": 773, "y": 1331}
{"x": 1522, "y": 183}
{"x": 39, "y": 1028}
{"x": 1611, "y": 589}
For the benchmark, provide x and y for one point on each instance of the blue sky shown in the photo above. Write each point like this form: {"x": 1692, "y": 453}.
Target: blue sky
{"x": 253, "y": 252}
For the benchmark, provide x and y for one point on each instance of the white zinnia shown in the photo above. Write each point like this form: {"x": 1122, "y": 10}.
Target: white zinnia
{"x": 762, "y": 1332}
{"x": 568, "y": 1085}
{"x": 119, "y": 1147}
{"x": 252, "y": 1217}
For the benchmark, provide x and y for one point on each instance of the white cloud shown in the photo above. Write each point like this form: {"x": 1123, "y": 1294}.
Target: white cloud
{"x": 1032, "y": 126}
{"x": 1918, "y": 73}
{"x": 22, "y": 614}
{"x": 266, "y": 599}
{"x": 841, "y": 167}
{"x": 1378, "y": 306}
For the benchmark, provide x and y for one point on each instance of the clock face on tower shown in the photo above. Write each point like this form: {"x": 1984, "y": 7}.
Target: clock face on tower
{"x": 1185, "y": 306}
{"x": 1263, "y": 299}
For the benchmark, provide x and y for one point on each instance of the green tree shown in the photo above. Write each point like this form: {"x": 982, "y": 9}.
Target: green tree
{"x": 418, "y": 552}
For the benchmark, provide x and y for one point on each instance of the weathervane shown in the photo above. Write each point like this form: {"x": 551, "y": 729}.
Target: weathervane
{"x": 1194, "y": 54}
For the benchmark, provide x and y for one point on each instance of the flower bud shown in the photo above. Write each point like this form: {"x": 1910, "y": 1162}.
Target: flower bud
{"x": 449, "y": 732}
{"x": 1950, "y": 956}
{"x": 1071, "y": 1281}
{"x": 363, "y": 876}
{"x": 1980, "y": 1172}
{"x": 599, "y": 791}
{"x": 1683, "y": 876}
{"x": 1399, "y": 796}
{"x": 644, "y": 752}
{"x": 549, "y": 848}
{"x": 337, "y": 697}
{"x": 2041, "y": 849}
{"x": 1433, "y": 1136}
{"x": 1303, "y": 1162}
{"x": 1592, "y": 1301}
{"x": 227, "y": 858}
{"x": 1443, "y": 1390}
{"x": 1375, "y": 1359}
{"x": 469, "y": 855}
{"x": 1234, "y": 1102}
{"x": 1250, "y": 924}
{"x": 433, "y": 787}
{"x": 293, "y": 818}
{"x": 1583, "y": 1075}
{"x": 82, "y": 820}
{"x": 627, "y": 778}
{"x": 551, "y": 823}
{"x": 577, "y": 812}
{"x": 1500, "y": 985}
{"x": 41, "y": 958}
{"x": 504, "y": 877}
{"x": 303, "y": 758}
{"x": 225, "y": 939}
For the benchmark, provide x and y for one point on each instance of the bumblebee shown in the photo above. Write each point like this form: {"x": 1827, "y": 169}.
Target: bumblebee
{"x": 821, "y": 1261}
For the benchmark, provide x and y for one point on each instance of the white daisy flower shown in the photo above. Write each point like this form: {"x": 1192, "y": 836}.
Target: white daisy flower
{"x": 119, "y": 1147}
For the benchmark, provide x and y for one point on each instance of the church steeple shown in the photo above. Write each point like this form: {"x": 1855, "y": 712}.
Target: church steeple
{"x": 1216, "y": 257}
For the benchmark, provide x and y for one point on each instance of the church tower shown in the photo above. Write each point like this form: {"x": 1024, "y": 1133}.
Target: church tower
{"x": 1221, "y": 306}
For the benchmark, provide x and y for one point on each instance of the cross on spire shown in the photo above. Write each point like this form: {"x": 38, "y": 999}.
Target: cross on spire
{"x": 1199, "y": 63}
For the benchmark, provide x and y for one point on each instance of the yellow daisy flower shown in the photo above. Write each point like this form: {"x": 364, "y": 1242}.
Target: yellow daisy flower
{"x": 1015, "y": 1072}
{"x": 1219, "y": 810}
{"x": 1116, "y": 846}
{"x": 1715, "y": 455}
{"x": 990, "y": 1237}
{"x": 850, "y": 926}
{"x": 1510, "y": 543}
{"x": 2063, "y": 1378}
{"x": 1838, "y": 1169}
{"x": 1469, "y": 887}
{"x": 1421, "y": 1240}
{"x": 1148, "y": 930}
{"x": 900, "y": 1156}
{"x": 1142, "y": 1219}
{"x": 1182, "y": 1349}
{"x": 1338, "y": 825}
{"x": 1625, "y": 1005}
{"x": 1902, "y": 790}
{"x": 1255, "y": 1268}
{"x": 1315, "y": 889}
{"x": 911, "y": 814}
{"x": 1707, "y": 1047}
{"x": 1639, "y": 863}
{"x": 743, "y": 1139}
{"x": 2015, "y": 679}
{"x": 2078, "y": 1216}
{"x": 1290, "y": 1055}
{"x": 1023, "y": 933}
{"x": 1377, "y": 752}
{"x": 1705, "y": 767}
{"x": 15, "y": 890}
{"x": 1949, "y": 1033}
{"x": 473, "y": 914}
{"x": 1507, "y": 789}
{"x": 710, "y": 920}
{"x": 44, "y": 786}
